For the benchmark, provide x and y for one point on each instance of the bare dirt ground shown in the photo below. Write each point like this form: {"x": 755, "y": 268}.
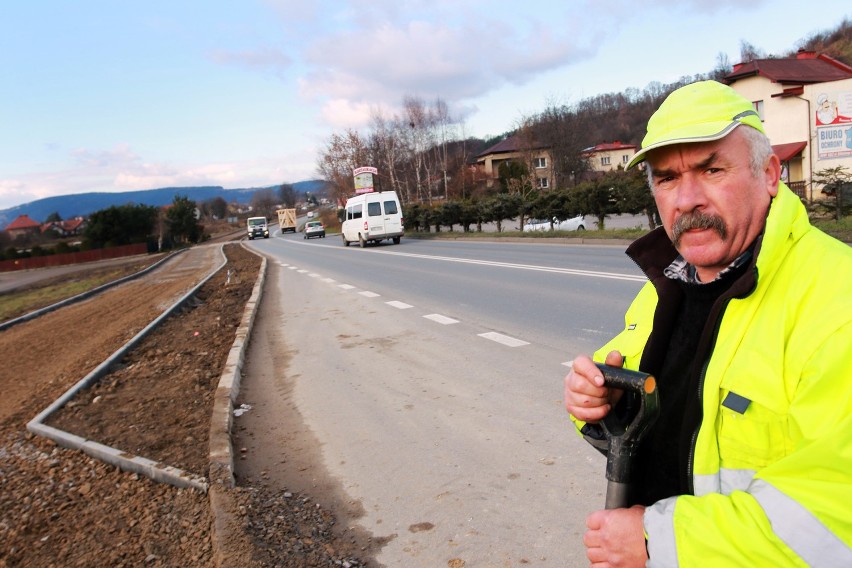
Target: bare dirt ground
{"x": 59, "y": 507}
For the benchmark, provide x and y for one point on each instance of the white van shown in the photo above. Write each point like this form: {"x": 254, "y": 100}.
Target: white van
{"x": 372, "y": 217}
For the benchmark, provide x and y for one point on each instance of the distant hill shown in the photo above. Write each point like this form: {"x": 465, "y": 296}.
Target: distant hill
{"x": 84, "y": 204}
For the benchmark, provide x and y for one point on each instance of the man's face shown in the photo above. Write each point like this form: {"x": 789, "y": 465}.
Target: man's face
{"x": 711, "y": 205}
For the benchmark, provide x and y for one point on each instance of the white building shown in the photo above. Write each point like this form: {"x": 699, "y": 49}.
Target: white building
{"x": 805, "y": 103}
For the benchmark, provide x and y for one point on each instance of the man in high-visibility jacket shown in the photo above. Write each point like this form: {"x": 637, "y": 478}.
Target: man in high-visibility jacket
{"x": 746, "y": 323}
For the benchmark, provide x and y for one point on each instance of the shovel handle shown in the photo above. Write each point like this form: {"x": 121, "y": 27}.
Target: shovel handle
{"x": 625, "y": 379}
{"x": 624, "y": 438}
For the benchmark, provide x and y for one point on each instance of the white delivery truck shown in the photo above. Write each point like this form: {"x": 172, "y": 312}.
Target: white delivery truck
{"x": 257, "y": 228}
{"x": 372, "y": 217}
{"x": 287, "y": 220}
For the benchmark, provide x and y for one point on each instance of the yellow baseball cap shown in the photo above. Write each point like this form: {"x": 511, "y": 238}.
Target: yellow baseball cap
{"x": 699, "y": 112}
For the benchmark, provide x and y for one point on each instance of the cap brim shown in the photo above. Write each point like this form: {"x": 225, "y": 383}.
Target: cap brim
{"x": 707, "y": 132}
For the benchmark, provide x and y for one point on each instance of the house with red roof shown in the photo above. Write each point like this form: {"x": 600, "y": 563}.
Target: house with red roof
{"x": 66, "y": 228}
{"x": 22, "y": 226}
{"x": 805, "y": 103}
{"x": 536, "y": 156}
{"x": 609, "y": 155}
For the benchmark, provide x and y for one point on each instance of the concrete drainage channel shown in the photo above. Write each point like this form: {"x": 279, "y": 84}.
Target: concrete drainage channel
{"x": 221, "y": 466}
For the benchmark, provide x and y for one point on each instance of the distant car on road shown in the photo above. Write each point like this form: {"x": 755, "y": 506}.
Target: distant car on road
{"x": 314, "y": 229}
{"x": 577, "y": 223}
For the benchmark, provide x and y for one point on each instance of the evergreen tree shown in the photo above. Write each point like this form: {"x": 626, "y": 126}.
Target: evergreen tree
{"x": 181, "y": 220}
{"x": 120, "y": 225}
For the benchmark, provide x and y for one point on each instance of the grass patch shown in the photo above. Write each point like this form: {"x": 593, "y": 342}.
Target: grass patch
{"x": 841, "y": 230}
{"x": 18, "y": 302}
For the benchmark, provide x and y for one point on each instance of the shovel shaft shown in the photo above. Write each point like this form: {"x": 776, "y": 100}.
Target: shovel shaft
{"x": 616, "y": 494}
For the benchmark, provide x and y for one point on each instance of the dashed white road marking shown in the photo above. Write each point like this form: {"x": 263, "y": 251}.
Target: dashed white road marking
{"x": 293, "y": 267}
{"x": 302, "y": 271}
{"x": 438, "y": 318}
{"x": 503, "y": 339}
{"x": 443, "y": 320}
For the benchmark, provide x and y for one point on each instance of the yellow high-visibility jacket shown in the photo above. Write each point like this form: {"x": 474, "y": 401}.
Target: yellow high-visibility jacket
{"x": 772, "y": 462}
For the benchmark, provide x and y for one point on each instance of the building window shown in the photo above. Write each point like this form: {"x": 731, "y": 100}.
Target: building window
{"x": 758, "y": 107}
{"x": 543, "y": 183}
{"x": 605, "y": 160}
{"x": 539, "y": 163}
{"x": 625, "y": 158}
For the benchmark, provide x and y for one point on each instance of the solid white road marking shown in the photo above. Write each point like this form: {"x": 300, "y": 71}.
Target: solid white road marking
{"x": 503, "y": 339}
{"x": 572, "y": 271}
{"x": 399, "y": 305}
{"x": 443, "y": 320}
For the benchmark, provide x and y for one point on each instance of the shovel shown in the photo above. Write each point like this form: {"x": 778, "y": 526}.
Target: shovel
{"x": 623, "y": 438}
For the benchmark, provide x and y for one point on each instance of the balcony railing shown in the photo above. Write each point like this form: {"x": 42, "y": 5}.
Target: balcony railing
{"x": 798, "y": 187}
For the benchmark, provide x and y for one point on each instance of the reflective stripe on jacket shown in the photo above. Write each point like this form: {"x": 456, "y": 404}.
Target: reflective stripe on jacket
{"x": 772, "y": 462}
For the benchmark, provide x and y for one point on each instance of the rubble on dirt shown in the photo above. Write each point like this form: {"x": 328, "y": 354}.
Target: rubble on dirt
{"x": 59, "y": 507}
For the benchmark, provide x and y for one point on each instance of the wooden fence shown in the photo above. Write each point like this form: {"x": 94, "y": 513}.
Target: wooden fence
{"x": 72, "y": 257}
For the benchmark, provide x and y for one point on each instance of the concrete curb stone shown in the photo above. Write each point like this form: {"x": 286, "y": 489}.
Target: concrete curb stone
{"x": 230, "y": 544}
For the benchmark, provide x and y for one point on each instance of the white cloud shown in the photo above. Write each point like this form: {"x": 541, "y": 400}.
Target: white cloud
{"x": 262, "y": 58}
{"x": 121, "y": 154}
{"x": 343, "y": 113}
{"x": 12, "y": 191}
{"x": 357, "y": 68}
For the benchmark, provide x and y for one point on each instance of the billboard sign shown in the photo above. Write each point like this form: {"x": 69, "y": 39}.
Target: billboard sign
{"x": 364, "y": 179}
{"x": 833, "y": 118}
{"x": 834, "y": 142}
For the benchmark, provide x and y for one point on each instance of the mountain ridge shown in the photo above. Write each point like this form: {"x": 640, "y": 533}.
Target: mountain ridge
{"x": 84, "y": 204}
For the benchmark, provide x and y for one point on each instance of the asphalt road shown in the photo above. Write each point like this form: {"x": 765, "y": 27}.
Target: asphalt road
{"x": 24, "y": 278}
{"x": 430, "y": 375}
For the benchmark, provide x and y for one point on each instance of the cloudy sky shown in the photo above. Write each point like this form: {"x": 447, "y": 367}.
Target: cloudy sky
{"x": 112, "y": 95}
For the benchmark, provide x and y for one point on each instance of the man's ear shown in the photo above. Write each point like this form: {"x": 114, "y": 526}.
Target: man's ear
{"x": 772, "y": 174}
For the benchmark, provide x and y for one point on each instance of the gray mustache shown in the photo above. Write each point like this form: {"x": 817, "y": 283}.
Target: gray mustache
{"x": 697, "y": 220}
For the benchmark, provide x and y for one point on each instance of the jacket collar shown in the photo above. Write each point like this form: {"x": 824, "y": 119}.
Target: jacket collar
{"x": 787, "y": 219}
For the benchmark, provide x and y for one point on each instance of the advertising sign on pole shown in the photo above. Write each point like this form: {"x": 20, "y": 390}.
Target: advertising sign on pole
{"x": 364, "y": 179}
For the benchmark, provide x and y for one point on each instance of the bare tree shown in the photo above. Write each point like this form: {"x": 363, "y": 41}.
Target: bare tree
{"x": 287, "y": 195}
{"x": 263, "y": 202}
{"x": 443, "y": 123}
{"x": 418, "y": 142}
{"x": 388, "y": 142}
{"x": 749, "y": 52}
{"x": 723, "y": 67}
{"x": 342, "y": 154}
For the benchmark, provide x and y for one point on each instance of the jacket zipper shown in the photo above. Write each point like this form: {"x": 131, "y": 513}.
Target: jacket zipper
{"x": 693, "y": 442}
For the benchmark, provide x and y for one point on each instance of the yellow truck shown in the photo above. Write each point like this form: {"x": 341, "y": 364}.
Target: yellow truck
{"x": 287, "y": 220}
